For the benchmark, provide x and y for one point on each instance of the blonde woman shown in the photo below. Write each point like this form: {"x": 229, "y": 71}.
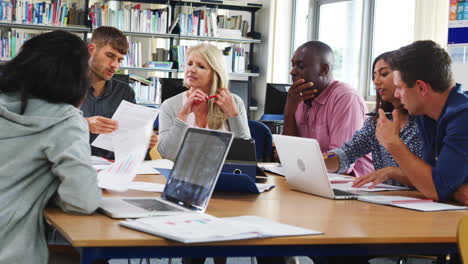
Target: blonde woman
{"x": 208, "y": 103}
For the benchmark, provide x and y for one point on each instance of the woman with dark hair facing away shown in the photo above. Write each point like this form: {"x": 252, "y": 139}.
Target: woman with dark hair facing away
{"x": 364, "y": 140}
{"x": 45, "y": 154}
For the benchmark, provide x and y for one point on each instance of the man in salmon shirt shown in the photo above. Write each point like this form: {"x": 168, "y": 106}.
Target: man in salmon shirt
{"x": 320, "y": 107}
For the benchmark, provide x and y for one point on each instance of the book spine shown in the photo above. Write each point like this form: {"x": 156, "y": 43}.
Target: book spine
{"x": 460, "y": 9}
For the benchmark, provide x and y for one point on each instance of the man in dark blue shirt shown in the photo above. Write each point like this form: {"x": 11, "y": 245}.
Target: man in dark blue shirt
{"x": 107, "y": 49}
{"x": 424, "y": 84}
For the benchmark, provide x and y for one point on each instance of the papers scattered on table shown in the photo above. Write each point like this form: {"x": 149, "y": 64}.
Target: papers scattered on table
{"x": 425, "y": 205}
{"x": 275, "y": 168}
{"x": 193, "y": 228}
{"x": 146, "y": 186}
{"x": 344, "y": 183}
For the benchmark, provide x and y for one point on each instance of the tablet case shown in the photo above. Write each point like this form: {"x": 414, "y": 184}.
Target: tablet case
{"x": 233, "y": 178}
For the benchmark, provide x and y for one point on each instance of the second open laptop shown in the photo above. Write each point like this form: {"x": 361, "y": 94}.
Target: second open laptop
{"x": 190, "y": 184}
{"x": 304, "y": 167}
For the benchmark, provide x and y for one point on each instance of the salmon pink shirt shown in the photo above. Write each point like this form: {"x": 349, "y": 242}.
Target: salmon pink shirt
{"x": 332, "y": 118}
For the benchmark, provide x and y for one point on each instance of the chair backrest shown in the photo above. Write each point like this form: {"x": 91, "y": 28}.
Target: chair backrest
{"x": 463, "y": 238}
{"x": 263, "y": 140}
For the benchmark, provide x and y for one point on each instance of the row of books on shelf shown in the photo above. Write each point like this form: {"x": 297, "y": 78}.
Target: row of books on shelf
{"x": 130, "y": 18}
{"x": 11, "y": 42}
{"x": 205, "y": 22}
{"x": 57, "y": 12}
{"x": 235, "y": 57}
{"x": 458, "y": 10}
{"x": 146, "y": 91}
{"x": 134, "y": 56}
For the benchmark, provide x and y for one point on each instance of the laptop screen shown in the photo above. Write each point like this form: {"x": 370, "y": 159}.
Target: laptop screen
{"x": 197, "y": 167}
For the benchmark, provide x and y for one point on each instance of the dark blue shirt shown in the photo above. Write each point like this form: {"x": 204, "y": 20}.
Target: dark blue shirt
{"x": 105, "y": 105}
{"x": 445, "y": 144}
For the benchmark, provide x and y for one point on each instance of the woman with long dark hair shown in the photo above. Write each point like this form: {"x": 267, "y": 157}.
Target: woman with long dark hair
{"x": 364, "y": 140}
{"x": 44, "y": 153}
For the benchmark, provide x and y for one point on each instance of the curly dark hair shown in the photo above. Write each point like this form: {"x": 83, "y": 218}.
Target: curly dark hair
{"x": 424, "y": 60}
{"x": 52, "y": 66}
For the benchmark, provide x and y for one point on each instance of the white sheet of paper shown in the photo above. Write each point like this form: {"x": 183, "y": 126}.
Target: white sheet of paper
{"x": 160, "y": 163}
{"x": 147, "y": 186}
{"x": 147, "y": 167}
{"x": 130, "y": 151}
{"x": 129, "y": 116}
{"x": 264, "y": 186}
{"x": 378, "y": 188}
{"x": 136, "y": 139}
{"x": 119, "y": 175}
{"x": 275, "y": 168}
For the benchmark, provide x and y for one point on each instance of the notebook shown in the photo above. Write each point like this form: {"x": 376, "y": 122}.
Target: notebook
{"x": 304, "y": 168}
{"x": 197, "y": 228}
{"x": 191, "y": 181}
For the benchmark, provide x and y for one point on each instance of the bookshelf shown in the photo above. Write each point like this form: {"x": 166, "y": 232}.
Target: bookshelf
{"x": 50, "y": 15}
{"x": 21, "y": 20}
{"x": 148, "y": 33}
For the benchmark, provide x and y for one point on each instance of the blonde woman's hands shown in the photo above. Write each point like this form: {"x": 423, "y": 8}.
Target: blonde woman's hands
{"x": 226, "y": 102}
{"x": 195, "y": 99}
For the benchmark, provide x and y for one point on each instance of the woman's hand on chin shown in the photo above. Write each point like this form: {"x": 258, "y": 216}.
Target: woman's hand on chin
{"x": 195, "y": 99}
{"x": 226, "y": 102}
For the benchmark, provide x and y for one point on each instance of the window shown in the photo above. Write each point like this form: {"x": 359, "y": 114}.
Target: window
{"x": 301, "y": 23}
{"x": 340, "y": 27}
{"x": 357, "y": 31}
{"x": 390, "y": 33}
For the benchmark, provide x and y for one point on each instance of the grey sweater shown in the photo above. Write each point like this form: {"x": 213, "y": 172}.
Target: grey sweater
{"x": 172, "y": 130}
{"x": 44, "y": 152}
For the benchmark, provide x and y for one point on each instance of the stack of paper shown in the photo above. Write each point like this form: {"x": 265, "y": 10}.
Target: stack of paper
{"x": 193, "y": 228}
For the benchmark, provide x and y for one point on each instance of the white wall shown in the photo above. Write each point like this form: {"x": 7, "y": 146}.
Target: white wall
{"x": 273, "y": 55}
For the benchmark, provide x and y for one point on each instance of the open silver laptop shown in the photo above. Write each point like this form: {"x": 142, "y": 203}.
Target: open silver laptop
{"x": 190, "y": 184}
{"x": 304, "y": 167}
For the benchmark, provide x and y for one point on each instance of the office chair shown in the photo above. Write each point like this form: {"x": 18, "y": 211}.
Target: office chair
{"x": 263, "y": 140}
{"x": 462, "y": 237}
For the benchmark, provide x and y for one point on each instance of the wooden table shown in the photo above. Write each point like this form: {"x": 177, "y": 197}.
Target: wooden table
{"x": 350, "y": 227}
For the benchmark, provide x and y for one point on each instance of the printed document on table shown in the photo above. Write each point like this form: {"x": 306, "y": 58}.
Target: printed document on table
{"x": 129, "y": 116}
{"x": 192, "y": 228}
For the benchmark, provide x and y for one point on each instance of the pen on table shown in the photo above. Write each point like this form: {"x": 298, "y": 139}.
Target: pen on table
{"x": 377, "y": 113}
{"x": 326, "y": 156}
{"x": 413, "y": 201}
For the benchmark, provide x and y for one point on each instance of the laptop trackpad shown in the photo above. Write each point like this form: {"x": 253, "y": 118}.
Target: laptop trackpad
{"x": 152, "y": 205}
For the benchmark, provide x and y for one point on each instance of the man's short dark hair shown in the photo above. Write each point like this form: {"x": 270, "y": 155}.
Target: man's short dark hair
{"x": 110, "y": 36}
{"x": 52, "y": 66}
{"x": 423, "y": 60}
{"x": 320, "y": 49}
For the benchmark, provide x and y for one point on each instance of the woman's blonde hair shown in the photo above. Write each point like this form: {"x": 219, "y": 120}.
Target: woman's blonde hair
{"x": 219, "y": 79}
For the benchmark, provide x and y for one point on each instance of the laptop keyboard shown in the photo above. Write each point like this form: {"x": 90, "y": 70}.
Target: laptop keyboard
{"x": 152, "y": 205}
{"x": 343, "y": 193}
